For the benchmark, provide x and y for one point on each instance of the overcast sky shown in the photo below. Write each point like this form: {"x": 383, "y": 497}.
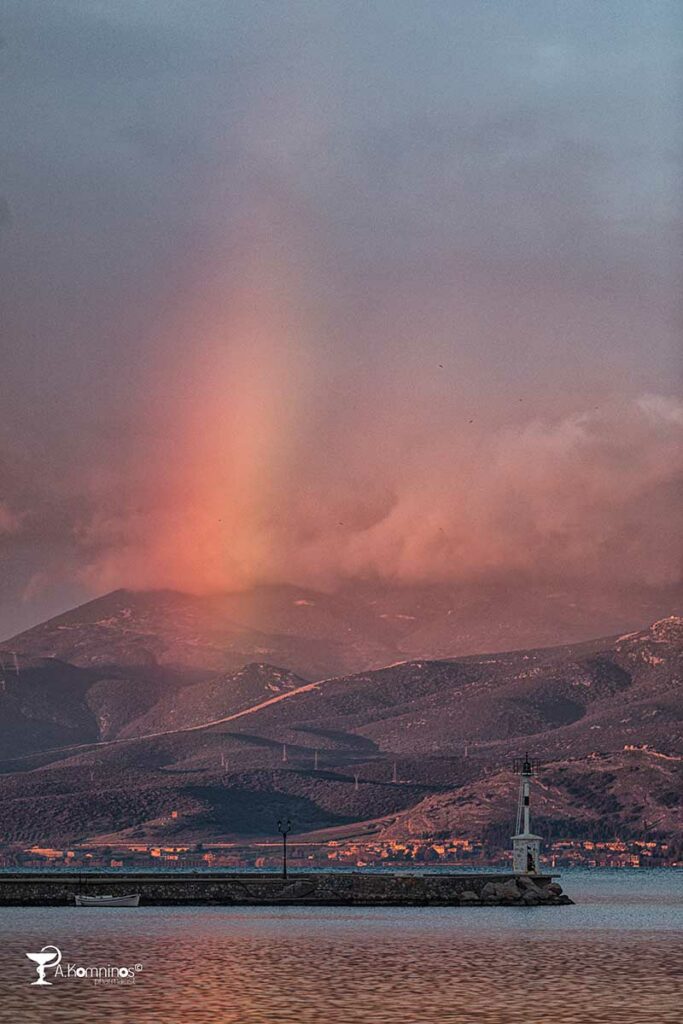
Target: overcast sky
{"x": 309, "y": 290}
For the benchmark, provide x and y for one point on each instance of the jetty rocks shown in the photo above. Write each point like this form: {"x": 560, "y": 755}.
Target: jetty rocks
{"x": 324, "y": 888}
{"x": 523, "y": 890}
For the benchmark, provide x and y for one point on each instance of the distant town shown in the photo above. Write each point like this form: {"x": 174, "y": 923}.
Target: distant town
{"x": 453, "y": 853}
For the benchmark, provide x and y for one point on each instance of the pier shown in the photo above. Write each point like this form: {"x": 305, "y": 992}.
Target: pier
{"x": 324, "y": 888}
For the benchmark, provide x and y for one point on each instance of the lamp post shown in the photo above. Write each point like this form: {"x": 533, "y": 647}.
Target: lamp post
{"x": 284, "y": 828}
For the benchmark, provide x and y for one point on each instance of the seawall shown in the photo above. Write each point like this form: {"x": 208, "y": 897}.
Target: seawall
{"x": 393, "y": 889}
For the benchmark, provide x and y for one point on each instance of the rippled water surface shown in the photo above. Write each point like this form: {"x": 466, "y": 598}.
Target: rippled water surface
{"x": 615, "y": 956}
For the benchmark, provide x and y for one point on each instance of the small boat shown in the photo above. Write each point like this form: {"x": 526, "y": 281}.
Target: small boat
{"x": 108, "y": 901}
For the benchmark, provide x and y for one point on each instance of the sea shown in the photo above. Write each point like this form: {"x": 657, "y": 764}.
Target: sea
{"x": 616, "y": 956}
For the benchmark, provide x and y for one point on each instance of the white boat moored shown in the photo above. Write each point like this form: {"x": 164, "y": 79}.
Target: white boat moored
{"x": 108, "y": 901}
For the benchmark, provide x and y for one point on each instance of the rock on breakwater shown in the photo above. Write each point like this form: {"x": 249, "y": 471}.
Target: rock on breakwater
{"x": 324, "y": 888}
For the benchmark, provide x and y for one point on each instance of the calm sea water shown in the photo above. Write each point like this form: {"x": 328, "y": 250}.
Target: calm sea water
{"x": 616, "y": 956}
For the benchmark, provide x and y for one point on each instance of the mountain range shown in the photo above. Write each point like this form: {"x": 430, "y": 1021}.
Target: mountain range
{"x": 158, "y": 716}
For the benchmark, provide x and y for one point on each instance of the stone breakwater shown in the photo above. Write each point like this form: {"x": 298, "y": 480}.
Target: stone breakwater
{"x": 321, "y": 888}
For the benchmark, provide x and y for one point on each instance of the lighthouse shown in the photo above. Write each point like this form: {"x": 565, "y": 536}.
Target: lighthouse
{"x": 526, "y": 847}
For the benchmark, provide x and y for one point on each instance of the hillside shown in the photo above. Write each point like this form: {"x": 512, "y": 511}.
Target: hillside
{"x": 217, "y": 697}
{"x": 604, "y": 716}
{"x": 50, "y": 704}
{"x": 626, "y": 689}
{"x": 311, "y": 634}
{"x": 317, "y": 635}
{"x": 597, "y": 796}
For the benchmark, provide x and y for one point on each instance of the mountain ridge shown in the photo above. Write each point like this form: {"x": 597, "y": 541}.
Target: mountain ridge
{"x": 316, "y": 634}
{"x": 442, "y": 728}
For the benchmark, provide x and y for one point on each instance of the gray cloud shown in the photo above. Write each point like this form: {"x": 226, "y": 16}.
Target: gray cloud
{"x": 449, "y": 213}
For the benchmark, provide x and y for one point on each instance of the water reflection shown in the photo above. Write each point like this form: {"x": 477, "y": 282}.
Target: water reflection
{"x": 326, "y": 966}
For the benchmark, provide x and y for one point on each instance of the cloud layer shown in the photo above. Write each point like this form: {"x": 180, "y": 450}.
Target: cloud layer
{"x": 309, "y": 291}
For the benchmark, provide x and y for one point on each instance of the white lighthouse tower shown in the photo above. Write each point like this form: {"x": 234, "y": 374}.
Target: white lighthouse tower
{"x": 526, "y": 847}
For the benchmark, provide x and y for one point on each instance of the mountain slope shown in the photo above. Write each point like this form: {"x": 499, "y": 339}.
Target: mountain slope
{"x": 317, "y": 635}
{"x": 447, "y": 620}
{"x": 33, "y": 717}
{"x": 627, "y": 689}
{"x": 311, "y": 634}
{"x": 599, "y": 796}
{"x": 417, "y": 745}
{"x": 217, "y": 697}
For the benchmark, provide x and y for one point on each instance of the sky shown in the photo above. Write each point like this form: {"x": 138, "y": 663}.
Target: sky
{"x": 316, "y": 291}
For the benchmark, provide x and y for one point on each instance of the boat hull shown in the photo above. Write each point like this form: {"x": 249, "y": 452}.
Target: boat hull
{"x": 108, "y": 901}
